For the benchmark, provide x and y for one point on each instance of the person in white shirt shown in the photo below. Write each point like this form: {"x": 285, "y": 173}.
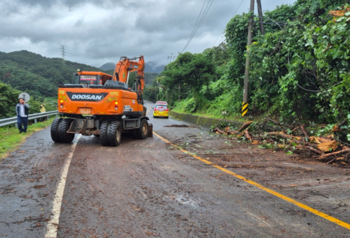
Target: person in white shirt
{"x": 22, "y": 109}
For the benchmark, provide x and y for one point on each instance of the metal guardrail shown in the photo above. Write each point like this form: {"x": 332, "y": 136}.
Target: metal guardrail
{"x": 34, "y": 116}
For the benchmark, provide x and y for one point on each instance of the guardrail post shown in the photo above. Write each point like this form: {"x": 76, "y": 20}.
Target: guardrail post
{"x": 35, "y": 121}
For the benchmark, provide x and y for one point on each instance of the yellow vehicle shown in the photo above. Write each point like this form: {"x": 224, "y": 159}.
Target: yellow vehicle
{"x": 161, "y": 109}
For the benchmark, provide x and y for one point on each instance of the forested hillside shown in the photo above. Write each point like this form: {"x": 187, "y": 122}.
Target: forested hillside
{"x": 37, "y": 75}
{"x": 299, "y": 68}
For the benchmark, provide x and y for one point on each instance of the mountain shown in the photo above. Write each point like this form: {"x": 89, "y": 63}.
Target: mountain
{"x": 150, "y": 67}
{"x": 108, "y": 66}
{"x": 37, "y": 75}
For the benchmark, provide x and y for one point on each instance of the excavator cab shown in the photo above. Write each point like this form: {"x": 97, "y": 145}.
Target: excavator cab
{"x": 87, "y": 78}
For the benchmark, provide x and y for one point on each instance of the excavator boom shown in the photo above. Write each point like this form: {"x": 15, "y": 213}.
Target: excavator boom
{"x": 128, "y": 65}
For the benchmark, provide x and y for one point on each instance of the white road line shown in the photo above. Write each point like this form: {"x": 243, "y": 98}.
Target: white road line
{"x": 52, "y": 225}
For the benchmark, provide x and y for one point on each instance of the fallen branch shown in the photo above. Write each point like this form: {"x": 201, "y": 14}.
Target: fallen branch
{"x": 331, "y": 154}
{"x": 314, "y": 150}
{"x": 229, "y": 131}
{"x": 218, "y": 130}
{"x": 277, "y": 123}
{"x": 296, "y": 128}
{"x": 246, "y": 133}
{"x": 285, "y": 136}
{"x": 244, "y": 126}
{"x": 304, "y": 131}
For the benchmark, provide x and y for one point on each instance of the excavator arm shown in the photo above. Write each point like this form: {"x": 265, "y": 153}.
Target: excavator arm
{"x": 126, "y": 66}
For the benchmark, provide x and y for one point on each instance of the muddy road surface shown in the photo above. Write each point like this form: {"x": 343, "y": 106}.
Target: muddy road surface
{"x": 150, "y": 188}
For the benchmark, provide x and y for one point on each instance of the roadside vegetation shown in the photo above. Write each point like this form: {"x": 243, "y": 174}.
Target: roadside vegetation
{"x": 299, "y": 68}
{"x": 9, "y": 99}
{"x": 11, "y": 138}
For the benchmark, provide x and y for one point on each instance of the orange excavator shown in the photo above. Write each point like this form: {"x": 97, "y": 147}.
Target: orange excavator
{"x": 103, "y": 105}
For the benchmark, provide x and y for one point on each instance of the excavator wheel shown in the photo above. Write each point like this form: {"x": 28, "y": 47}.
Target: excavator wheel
{"x": 114, "y": 133}
{"x": 62, "y": 131}
{"x": 142, "y": 132}
{"x": 54, "y": 130}
{"x": 104, "y": 133}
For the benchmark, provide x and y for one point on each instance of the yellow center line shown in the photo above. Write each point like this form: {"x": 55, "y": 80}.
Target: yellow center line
{"x": 149, "y": 108}
{"x": 281, "y": 196}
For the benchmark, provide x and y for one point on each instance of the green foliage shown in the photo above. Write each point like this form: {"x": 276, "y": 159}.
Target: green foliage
{"x": 151, "y": 92}
{"x": 150, "y": 78}
{"x": 39, "y": 76}
{"x": 218, "y": 55}
{"x": 315, "y": 11}
{"x": 186, "y": 76}
{"x": 8, "y": 100}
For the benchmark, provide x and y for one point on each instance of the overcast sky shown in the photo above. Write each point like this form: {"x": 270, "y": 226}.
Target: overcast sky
{"x": 95, "y": 32}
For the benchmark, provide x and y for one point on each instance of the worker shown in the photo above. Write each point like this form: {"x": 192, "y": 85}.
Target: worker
{"x": 42, "y": 108}
{"x": 22, "y": 109}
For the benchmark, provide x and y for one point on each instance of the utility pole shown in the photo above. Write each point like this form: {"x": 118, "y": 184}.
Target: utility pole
{"x": 63, "y": 52}
{"x": 249, "y": 42}
{"x": 247, "y": 63}
{"x": 261, "y": 20}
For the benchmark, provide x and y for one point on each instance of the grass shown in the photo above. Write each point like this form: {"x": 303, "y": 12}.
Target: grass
{"x": 10, "y": 138}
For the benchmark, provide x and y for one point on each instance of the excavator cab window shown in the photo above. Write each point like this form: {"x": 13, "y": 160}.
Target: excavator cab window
{"x": 86, "y": 80}
{"x": 89, "y": 79}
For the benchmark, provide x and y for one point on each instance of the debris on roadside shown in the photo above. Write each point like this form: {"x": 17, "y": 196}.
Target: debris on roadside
{"x": 294, "y": 139}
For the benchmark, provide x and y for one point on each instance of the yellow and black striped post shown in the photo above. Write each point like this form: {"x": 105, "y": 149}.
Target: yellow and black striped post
{"x": 244, "y": 108}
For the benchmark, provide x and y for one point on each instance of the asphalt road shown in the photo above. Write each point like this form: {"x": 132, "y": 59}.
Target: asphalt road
{"x": 148, "y": 188}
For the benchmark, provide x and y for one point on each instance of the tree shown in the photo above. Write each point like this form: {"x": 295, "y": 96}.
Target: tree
{"x": 188, "y": 73}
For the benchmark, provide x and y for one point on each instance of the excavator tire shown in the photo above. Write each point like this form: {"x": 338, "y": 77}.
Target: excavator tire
{"x": 104, "y": 133}
{"x": 54, "y": 130}
{"x": 142, "y": 132}
{"x": 62, "y": 131}
{"x": 114, "y": 133}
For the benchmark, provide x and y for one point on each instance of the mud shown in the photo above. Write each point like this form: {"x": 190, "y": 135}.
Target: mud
{"x": 307, "y": 180}
{"x": 27, "y": 180}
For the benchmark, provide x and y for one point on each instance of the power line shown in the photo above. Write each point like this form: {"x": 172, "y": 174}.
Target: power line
{"x": 234, "y": 14}
{"x": 199, "y": 21}
{"x": 277, "y": 23}
{"x": 218, "y": 38}
{"x": 195, "y": 25}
